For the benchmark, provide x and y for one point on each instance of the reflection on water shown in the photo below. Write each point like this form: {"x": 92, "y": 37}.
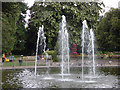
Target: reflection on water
{"x": 107, "y": 77}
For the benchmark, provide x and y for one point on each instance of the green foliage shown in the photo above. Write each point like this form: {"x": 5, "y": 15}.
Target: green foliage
{"x": 108, "y": 31}
{"x": 50, "y": 52}
{"x": 10, "y": 14}
{"x": 16, "y": 56}
{"x": 50, "y": 15}
{"x": 12, "y": 26}
{"x": 19, "y": 47}
{"x": 53, "y": 54}
{"x": 18, "y": 40}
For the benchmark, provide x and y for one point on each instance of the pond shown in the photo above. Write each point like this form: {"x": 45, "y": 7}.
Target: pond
{"x": 106, "y": 77}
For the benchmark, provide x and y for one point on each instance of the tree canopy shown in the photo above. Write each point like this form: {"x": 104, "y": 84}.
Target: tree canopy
{"x": 11, "y": 16}
{"x": 20, "y": 40}
{"x": 50, "y": 14}
{"x": 108, "y": 31}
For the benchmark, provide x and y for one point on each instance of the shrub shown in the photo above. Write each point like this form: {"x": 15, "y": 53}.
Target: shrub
{"x": 53, "y": 53}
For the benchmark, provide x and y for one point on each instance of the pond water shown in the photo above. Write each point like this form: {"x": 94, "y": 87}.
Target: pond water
{"x": 106, "y": 77}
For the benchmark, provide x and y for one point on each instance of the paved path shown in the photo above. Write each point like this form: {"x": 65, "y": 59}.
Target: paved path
{"x": 25, "y": 67}
{"x": 73, "y": 63}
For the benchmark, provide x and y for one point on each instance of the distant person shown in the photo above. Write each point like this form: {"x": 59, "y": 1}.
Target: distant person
{"x": 3, "y": 57}
{"x": 13, "y": 58}
{"x": 21, "y": 60}
{"x": 10, "y": 57}
{"x": 38, "y": 58}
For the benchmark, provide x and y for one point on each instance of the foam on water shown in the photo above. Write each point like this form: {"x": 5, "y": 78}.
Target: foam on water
{"x": 65, "y": 74}
{"x": 28, "y": 80}
{"x": 48, "y": 78}
{"x": 86, "y": 81}
{"x": 65, "y": 79}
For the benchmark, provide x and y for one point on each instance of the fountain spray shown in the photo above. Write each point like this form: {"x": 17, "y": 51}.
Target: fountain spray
{"x": 88, "y": 48}
{"x": 64, "y": 47}
{"x": 42, "y": 40}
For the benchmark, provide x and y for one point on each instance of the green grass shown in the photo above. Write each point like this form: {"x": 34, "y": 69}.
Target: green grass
{"x": 16, "y": 63}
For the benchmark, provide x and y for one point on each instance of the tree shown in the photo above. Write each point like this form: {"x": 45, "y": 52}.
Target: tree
{"x": 13, "y": 30}
{"x": 49, "y": 14}
{"x": 10, "y": 14}
{"x": 19, "y": 47}
{"x": 108, "y": 31}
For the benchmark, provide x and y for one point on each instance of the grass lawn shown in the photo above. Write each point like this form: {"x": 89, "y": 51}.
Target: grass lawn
{"x": 16, "y": 63}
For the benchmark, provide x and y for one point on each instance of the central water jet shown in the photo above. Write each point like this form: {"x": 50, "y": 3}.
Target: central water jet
{"x": 64, "y": 47}
{"x": 42, "y": 40}
{"x": 88, "y": 49}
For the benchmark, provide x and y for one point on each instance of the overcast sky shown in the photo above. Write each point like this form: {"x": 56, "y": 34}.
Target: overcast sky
{"x": 111, "y": 3}
{"x": 108, "y": 3}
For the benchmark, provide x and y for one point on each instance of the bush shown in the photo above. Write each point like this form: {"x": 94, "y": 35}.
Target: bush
{"x": 53, "y": 53}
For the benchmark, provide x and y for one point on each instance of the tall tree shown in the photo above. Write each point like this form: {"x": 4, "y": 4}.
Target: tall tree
{"x": 108, "y": 31}
{"x": 10, "y": 15}
{"x": 19, "y": 47}
{"x": 50, "y": 14}
{"x": 13, "y": 30}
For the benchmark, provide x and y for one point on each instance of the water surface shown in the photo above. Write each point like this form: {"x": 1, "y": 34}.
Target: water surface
{"x": 106, "y": 77}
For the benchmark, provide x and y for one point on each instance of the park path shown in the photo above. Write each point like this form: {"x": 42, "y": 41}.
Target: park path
{"x": 73, "y": 63}
{"x": 54, "y": 66}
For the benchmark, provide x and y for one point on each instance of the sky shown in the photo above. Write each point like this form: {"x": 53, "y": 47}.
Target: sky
{"x": 108, "y": 5}
{"x": 111, "y": 3}
{"x": 29, "y": 2}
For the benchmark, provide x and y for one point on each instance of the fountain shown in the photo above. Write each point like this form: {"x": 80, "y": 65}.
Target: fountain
{"x": 92, "y": 49}
{"x": 88, "y": 48}
{"x": 42, "y": 40}
{"x": 84, "y": 31}
{"x": 26, "y": 78}
{"x": 64, "y": 48}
